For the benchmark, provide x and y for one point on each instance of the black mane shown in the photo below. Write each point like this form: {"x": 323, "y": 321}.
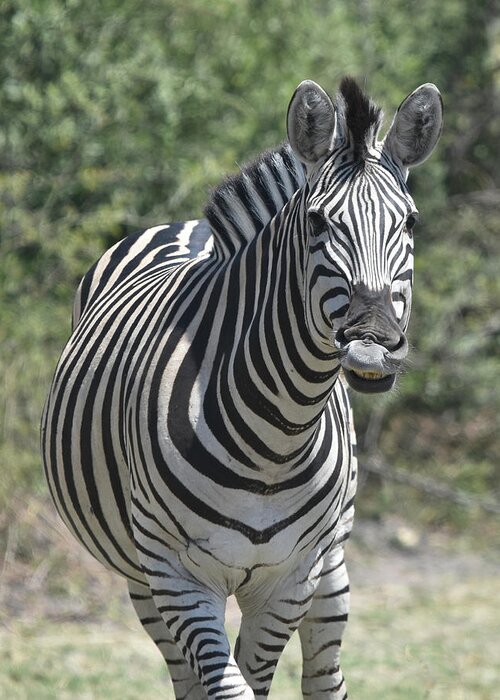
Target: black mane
{"x": 244, "y": 203}
{"x": 362, "y": 117}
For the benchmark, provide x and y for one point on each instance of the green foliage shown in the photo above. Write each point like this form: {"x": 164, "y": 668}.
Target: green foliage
{"x": 125, "y": 115}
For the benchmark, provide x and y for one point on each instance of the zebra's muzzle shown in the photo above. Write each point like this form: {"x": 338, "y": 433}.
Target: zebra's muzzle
{"x": 369, "y": 367}
{"x": 372, "y": 345}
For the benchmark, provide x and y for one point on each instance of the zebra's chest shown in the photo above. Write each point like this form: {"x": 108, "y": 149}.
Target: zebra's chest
{"x": 271, "y": 546}
{"x": 230, "y": 537}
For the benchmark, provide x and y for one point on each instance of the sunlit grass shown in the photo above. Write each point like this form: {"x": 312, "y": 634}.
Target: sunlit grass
{"x": 79, "y": 661}
{"x": 400, "y": 645}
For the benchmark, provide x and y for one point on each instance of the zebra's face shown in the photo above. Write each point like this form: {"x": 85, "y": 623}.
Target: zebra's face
{"x": 358, "y": 222}
{"x": 360, "y": 266}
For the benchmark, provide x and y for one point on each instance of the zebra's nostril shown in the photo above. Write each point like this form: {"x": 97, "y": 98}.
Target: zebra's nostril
{"x": 382, "y": 336}
{"x": 352, "y": 333}
{"x": 400, "y": 350}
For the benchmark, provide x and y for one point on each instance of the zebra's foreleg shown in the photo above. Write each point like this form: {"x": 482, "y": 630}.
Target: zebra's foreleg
{"x": 321, "y": 632}
{"x": 186, "y": 683}
{"x": 194, "y": 616}
{"x": 260, "y": 642}
{"x": 265, "y": 631}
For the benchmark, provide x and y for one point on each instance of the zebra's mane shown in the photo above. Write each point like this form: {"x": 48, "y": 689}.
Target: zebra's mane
{"x": 244, "y": 203}
{"x": 359, "y": 117}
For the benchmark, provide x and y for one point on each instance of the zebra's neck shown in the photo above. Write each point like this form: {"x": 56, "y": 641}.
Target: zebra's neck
{"x": 280, "y": 377}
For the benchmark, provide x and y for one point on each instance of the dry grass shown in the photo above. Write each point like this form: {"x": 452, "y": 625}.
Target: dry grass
{"x": 424, "y": 622}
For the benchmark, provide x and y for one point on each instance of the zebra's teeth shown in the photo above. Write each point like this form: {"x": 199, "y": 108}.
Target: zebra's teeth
{"x": 368, "y": 375}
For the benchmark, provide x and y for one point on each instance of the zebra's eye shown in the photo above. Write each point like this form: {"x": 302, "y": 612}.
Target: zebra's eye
{"x": 411, "y": 221}
{"x": 317, "y": 224}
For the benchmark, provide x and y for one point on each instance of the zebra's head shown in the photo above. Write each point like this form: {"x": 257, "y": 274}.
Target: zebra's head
{"x": 358, "y": 219}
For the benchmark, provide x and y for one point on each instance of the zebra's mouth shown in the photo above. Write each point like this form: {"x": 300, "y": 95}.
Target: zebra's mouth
{"x": 369, "y": 382}
{"x": 369, "y": 367}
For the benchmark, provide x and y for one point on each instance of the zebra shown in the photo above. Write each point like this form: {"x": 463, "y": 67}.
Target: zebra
{"x": 198, "y": 437}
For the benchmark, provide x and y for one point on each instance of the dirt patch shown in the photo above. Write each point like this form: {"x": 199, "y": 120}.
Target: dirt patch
{"x": 394, "y": 553}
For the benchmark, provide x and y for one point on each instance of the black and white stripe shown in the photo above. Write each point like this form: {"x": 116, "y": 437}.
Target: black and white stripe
{"x": 197, "y": 438}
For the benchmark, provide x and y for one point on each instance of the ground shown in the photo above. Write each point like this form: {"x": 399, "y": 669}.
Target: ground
{"x": 424, "y": 620}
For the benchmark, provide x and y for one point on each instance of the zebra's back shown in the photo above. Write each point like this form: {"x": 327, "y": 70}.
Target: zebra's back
{"x": 167, "y": 243}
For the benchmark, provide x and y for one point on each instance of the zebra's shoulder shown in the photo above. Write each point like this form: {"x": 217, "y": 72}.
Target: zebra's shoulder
{"x": 165, "y": 245}
{"x": 244, "y": 203}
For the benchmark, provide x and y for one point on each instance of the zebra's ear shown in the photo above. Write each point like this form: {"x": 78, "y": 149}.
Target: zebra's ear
{"x": 311, "y": 122}
{"x": 416, "y": 126}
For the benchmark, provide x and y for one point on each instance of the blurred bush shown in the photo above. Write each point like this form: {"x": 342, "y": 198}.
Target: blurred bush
{"x": 124, "y": 116}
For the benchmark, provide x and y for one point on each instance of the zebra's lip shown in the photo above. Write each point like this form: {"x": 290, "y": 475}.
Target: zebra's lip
{"x": 369, "y": 382}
